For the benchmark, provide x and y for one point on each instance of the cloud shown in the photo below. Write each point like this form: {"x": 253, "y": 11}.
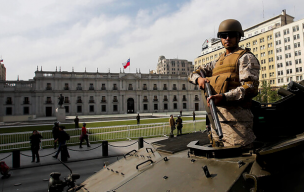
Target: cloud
{"x": 104, "y": 34}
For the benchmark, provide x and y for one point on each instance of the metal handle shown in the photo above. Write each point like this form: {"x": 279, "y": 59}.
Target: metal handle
{"x": 144, "y": 163}
{"x": 150, "y": 149}
{"x": 129, "y": 153}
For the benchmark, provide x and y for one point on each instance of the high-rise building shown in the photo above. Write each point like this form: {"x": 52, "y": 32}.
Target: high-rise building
{"x": 174, "y": 66}
{"x": 277, "y": 43}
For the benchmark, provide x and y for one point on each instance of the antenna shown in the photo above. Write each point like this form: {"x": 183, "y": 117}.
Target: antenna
{"x": 263, "y": 9}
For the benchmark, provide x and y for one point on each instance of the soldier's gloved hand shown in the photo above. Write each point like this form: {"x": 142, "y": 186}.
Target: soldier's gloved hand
{"x": 201, "y": 82}
{"x": 217, "y": 99}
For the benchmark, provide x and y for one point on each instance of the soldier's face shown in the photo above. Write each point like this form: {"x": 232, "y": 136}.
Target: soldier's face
{"x": 230, "y": 40}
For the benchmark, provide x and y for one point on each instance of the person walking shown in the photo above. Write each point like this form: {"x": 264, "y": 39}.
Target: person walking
{"x": 138, "y": 118}
{"x": 35, "y": 140}
{"x": 172, "y": 124}
{"x": 84, "y": 136}
{"x": 62, "y": 138}
{"x": 193, "y": 114}
{"x": 55, "y": 132}
{"x": 76, "y": 120}
{"x": 179, "y": 123}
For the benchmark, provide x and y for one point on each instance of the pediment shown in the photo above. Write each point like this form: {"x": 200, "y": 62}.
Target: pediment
{"x": 129, "y": 76}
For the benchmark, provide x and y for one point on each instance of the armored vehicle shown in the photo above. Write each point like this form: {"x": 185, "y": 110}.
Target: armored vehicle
{"x": 274, "y": 162}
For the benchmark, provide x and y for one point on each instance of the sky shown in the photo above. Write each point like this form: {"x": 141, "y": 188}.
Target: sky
{"x": 102, "y": 34}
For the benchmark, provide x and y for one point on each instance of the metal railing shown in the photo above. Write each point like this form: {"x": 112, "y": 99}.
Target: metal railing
{"x": 20, "y": 140}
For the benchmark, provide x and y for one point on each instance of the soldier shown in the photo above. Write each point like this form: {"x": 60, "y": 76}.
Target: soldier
{"x": 234, "y": 78}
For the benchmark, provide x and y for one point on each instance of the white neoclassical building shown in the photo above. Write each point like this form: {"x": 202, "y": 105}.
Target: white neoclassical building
{"x": 87, "y": 93}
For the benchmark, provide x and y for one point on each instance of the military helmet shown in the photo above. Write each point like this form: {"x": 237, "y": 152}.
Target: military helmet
{"x": 230, "y": 25}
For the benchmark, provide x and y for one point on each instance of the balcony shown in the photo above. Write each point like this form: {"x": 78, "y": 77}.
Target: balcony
{"x": 165, "y": 99}
{"x": 48, "y": 102}
{"x": 78, "y": 88}
{"x": 184, "y": 88}
{"x": 91, "y": 101}
{"x": 174, "y": 88}
{"x": 145, "y": 100}
{"x": 114, "y": 88}
{"x": 184, "y": 99}
{"x": 66, "y": 101}
{"x": 130, "y": 88}
{"x": 196, "y": 99}
{"x": 155, "y": 99}
{"x": 103, "y": 101}
{"x": 154, "y": 88}
{"x": 26, "y": 102}
{"x": 66, "y": 88}
{"x": 9, "y": 102}
{"x": 48, "y": 88}
{"x": 103, "y": 88}
{"x": 174, "y": 99}
{"x": 115, "y": 100}
{"x": 145, "y": 88}
{"x": 165, "y": 88}
{"x": 196, "y": 87}
{"x": 91, "y": 88}
{"x": 79, "y": 101}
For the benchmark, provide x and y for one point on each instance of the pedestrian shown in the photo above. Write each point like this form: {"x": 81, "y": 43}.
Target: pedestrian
{"x": 4, "y": 169}
{"x": 179, "y": 123}
{"x": 138, "y": 118}
{"x": 234, "y": 81}
{"x": 181, "y": 113}
{"x": 76, "y": 120}
{"x": 172, "y": 124}
{"x": 62, "y": 138}
{"x": 55, "y": 132}
{"x": 193, "y": 114}
{"x": 35, "y": 139}
{"x": 84, "y": 136}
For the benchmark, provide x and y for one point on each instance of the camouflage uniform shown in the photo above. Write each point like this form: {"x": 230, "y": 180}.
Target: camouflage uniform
{"x": 236, "y": 121}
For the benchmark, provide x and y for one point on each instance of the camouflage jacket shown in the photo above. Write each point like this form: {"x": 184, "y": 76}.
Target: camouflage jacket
{"x": 249, "y": 69}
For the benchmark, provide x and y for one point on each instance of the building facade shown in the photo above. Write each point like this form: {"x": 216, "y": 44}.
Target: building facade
{"x": 277, "y": 43}
{"x": 174, "y": 66}
{"x": 2, "y": 72}
{"x": 98, "y": 93}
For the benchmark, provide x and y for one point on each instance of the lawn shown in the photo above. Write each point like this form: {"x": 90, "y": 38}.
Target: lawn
{"x": 89, "y": 125}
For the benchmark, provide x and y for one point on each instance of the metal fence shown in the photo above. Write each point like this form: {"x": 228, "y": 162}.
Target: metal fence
{"x": 20, "y": 140}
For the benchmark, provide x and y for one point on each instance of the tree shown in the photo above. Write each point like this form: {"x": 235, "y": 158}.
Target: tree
{"x": 267, "y": 94}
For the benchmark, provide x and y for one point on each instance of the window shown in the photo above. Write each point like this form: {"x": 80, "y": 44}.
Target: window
{"x": 66, "y": 100}
{"x": 79, "y": 109}
{"x": 115, "y": 99}
{"x": 287, "y": 47}
{"x": 295, "y": 28}
{"x": 48, "y": 86}
{"x": 277, "y": 34}
{"x": 67, "y": 109}
{"x": 174, "y": 105}
{"x": 299, "y": 69}
{"x": 298, "y": 61}
{"x": 155, "y": 98}
{"x": 269, "y": 37}
{"x": 91, "y": 99}
{"x": 184, "y": 105}
{"x": 286, "y": 31}
{"x": 255, "y": 42}
{"x": 174, "y": 98}
{"x": 115, "y": 108}
{"x": 114, "y": 87}
{"x": 270, "y": 52}
{"x": 261, "y": 40}
{"x": 130, "y": 87}
{"x": 78, "y": 86}
{"x": 287, "y": 55}
{"x": 66, "y": 86}
{"x": 155, "y": 106}
{"x": 144, "y": 86}
{"x": 145, "y": 107}
{"x": 269, "y": 44}
{"x": 288, "y": 63}
{"x": 279, "y": 57}
{"x": 270, "y": 59}
{"x": 165, "y": 106}
{"x": 48, "y": 100}
{"x": 103, "y": 108}
{"x": 278, "y": 42}
{"x": 184, "y": 87}
{"x": 145, "y": 99}
{"x": 103, "y": 99}
{"x": 26, "y": 100}
{"x": 287, "y": 39}
{"x": 9, "y": 111}
{"x": 165, "y": 98}
{"x": 165, "y": 87}
{"x": 174, "y": 87}
{"x": 154, "y": 87}
{"x": 91, "y": 86}
{"x": 103, "y": 86}
{"x": 26, "y": 110}
{"x": 91, "y": 108}
{"x": 196, "y": 98}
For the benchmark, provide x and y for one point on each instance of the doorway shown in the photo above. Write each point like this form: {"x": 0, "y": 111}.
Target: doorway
{"x": 130, "y": 105}
{"x": 48, "y": 111}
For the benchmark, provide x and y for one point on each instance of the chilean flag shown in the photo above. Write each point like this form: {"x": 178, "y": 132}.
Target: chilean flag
{"x": 126, "y": 64}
